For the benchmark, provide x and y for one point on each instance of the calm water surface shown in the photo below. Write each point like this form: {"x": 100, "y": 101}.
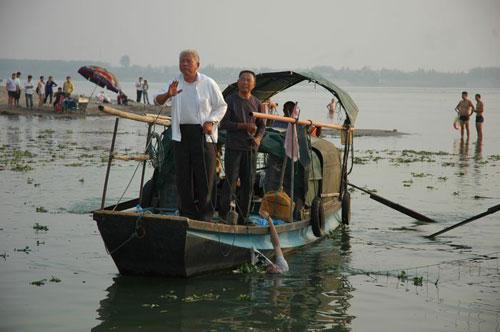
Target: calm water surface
{"x": 347, "y": 282}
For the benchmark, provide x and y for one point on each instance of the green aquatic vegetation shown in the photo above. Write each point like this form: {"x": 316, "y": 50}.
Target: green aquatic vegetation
{"x": 446, "y": 164}
{"x": 29, "y": 181}
{"x": 402, "y": 276}
{"x": 38, "y": 282}
{"x": 456, "y": 193}
{"x": 4, "y": 255}
{"x": 420, "y": 175}
{"x": 418, "y": 281}
{"x": 248, "y": 268}
{"x": 431, "y": 187}
{"x": 21, "y": 168}
{"x": 54, "y": 279}
{"x": 169, "y": 296}
{"x": 47, "y": 131}
{"x": 74, "y": 165}
{"x": 39, "y": 227}
{"x": 82, "y": 180}
{"x": 244, "y": 297}
{"x": 203, "y": 297}
{"x": 494, "y": 157}
{"x": 442, "y": 178}
{"x": 281, "y": 316}
{"x": 360, "y": 161}
{"x": 41, "y": 209}
{"x": 26, "y": 250}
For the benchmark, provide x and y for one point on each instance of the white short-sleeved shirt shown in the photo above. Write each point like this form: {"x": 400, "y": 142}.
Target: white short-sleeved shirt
{"x": 11, "y": 85}
{"x": 29, "y": 87}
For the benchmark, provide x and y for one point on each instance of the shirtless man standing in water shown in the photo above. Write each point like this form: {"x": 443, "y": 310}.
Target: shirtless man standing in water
{"x": 465, "y": 108}
{"x": 479, "y": 117}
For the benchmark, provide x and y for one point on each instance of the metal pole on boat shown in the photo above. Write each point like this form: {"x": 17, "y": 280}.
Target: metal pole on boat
{"x": 110, "y": 159}
{"x": 148, "y": 138}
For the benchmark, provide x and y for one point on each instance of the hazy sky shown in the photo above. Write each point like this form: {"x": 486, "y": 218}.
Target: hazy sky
{"x": 449, "y": 35}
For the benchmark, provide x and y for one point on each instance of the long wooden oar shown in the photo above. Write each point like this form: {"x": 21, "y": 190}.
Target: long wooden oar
{"x": 491, "y": 210}
{"x": 299, "y": 122}
{"x": 133, "y": 116}
{"x": 395, "y": 206}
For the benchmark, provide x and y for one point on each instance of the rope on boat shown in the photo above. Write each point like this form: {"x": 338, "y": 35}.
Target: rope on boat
{"x": 136, "y": 234}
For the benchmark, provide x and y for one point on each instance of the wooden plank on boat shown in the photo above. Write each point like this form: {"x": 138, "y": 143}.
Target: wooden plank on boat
{"x": 133, "y": 116}
{"x": 218, "y": 227}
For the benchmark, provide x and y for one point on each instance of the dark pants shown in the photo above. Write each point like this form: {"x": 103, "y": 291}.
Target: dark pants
{"x": 239, "y": 164}
{"x": 47, "y": 95}
{"x": 139, "y": 95}
{"x": 195, "y": 172}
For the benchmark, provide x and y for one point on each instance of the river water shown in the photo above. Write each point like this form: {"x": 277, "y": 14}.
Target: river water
{"x": 380, "y": 273}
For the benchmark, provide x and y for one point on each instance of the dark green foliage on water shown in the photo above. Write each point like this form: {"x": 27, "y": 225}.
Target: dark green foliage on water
{"x": 248, "y": 268}
{"x": 26, "y": 250}
{"x": 41, "y": 209}
{"x": 39, "y": 227}
{"x": 402, "y": 276}
{"x": 244, "y": 297}
{"x": 203, "y": 297}
{"x": 418, "y": 281}
{"x": 38, "y": 282}
{"x": 54, "y": 279}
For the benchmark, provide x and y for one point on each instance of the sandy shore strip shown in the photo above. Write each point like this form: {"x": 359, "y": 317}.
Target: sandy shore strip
{"x": 47, "y": 110}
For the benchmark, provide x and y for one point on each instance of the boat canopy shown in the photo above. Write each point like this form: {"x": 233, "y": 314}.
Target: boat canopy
{"x": 270, "y": 84}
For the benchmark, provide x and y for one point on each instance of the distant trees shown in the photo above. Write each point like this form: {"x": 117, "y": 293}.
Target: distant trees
{"x": 125, "y": 61}
{"x": 476, "y": 77}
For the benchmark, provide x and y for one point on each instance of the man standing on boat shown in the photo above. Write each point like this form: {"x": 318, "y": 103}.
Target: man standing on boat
{"x": 244, "y": 134}
{"x": 197, "y": 109}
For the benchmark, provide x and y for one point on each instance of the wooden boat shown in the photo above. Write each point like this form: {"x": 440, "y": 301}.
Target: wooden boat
{"x": 153, "y": 241}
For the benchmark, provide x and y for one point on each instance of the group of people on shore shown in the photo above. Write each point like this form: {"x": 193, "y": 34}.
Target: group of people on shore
{"x": 43, "y": 89}
{"x": 142, "y": 88}
{"x": 465, "y": 109}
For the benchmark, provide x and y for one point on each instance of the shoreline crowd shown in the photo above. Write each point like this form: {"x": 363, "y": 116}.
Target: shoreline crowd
{"x": 45, "y": 90}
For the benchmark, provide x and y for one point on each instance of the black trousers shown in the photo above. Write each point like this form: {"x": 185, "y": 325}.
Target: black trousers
{"x": 239, "y": 164}
{"x": 139, "y": 95}
{"x": 48, "y": 95}
{"x": 195, "y": 172}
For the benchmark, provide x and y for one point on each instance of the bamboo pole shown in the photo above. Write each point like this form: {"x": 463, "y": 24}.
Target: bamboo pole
{"x": 156, "y": 116}
{"x": 299, "y": 122}
{"x": 133, "y": 116}
{"x": 110, "y": 159}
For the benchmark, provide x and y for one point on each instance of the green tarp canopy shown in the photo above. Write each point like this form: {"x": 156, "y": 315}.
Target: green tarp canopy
{"x": 270, "y": 84}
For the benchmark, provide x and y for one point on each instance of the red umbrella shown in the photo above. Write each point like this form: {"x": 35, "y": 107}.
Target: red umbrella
{"x": 101, "y": 77}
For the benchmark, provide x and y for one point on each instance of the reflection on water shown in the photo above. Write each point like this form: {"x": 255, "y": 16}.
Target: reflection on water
{"x": 305, "y": 298}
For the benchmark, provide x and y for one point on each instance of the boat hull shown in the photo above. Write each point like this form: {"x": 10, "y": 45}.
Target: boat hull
{"x": 172, "y": 246}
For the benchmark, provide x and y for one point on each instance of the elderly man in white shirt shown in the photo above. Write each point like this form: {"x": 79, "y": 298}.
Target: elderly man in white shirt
{"x": 197, "y": 108}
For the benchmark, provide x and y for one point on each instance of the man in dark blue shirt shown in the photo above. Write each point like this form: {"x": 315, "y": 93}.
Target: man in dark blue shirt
{"x": 244, "y": 134}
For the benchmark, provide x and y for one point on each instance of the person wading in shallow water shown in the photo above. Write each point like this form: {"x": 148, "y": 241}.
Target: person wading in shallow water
{"x": 479, "y": 117}
{"x": 197, "y": 108}
{"x": 280, "y": 264}
{"x": 244, "y": 134}
{"x": 465, "y": 108}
